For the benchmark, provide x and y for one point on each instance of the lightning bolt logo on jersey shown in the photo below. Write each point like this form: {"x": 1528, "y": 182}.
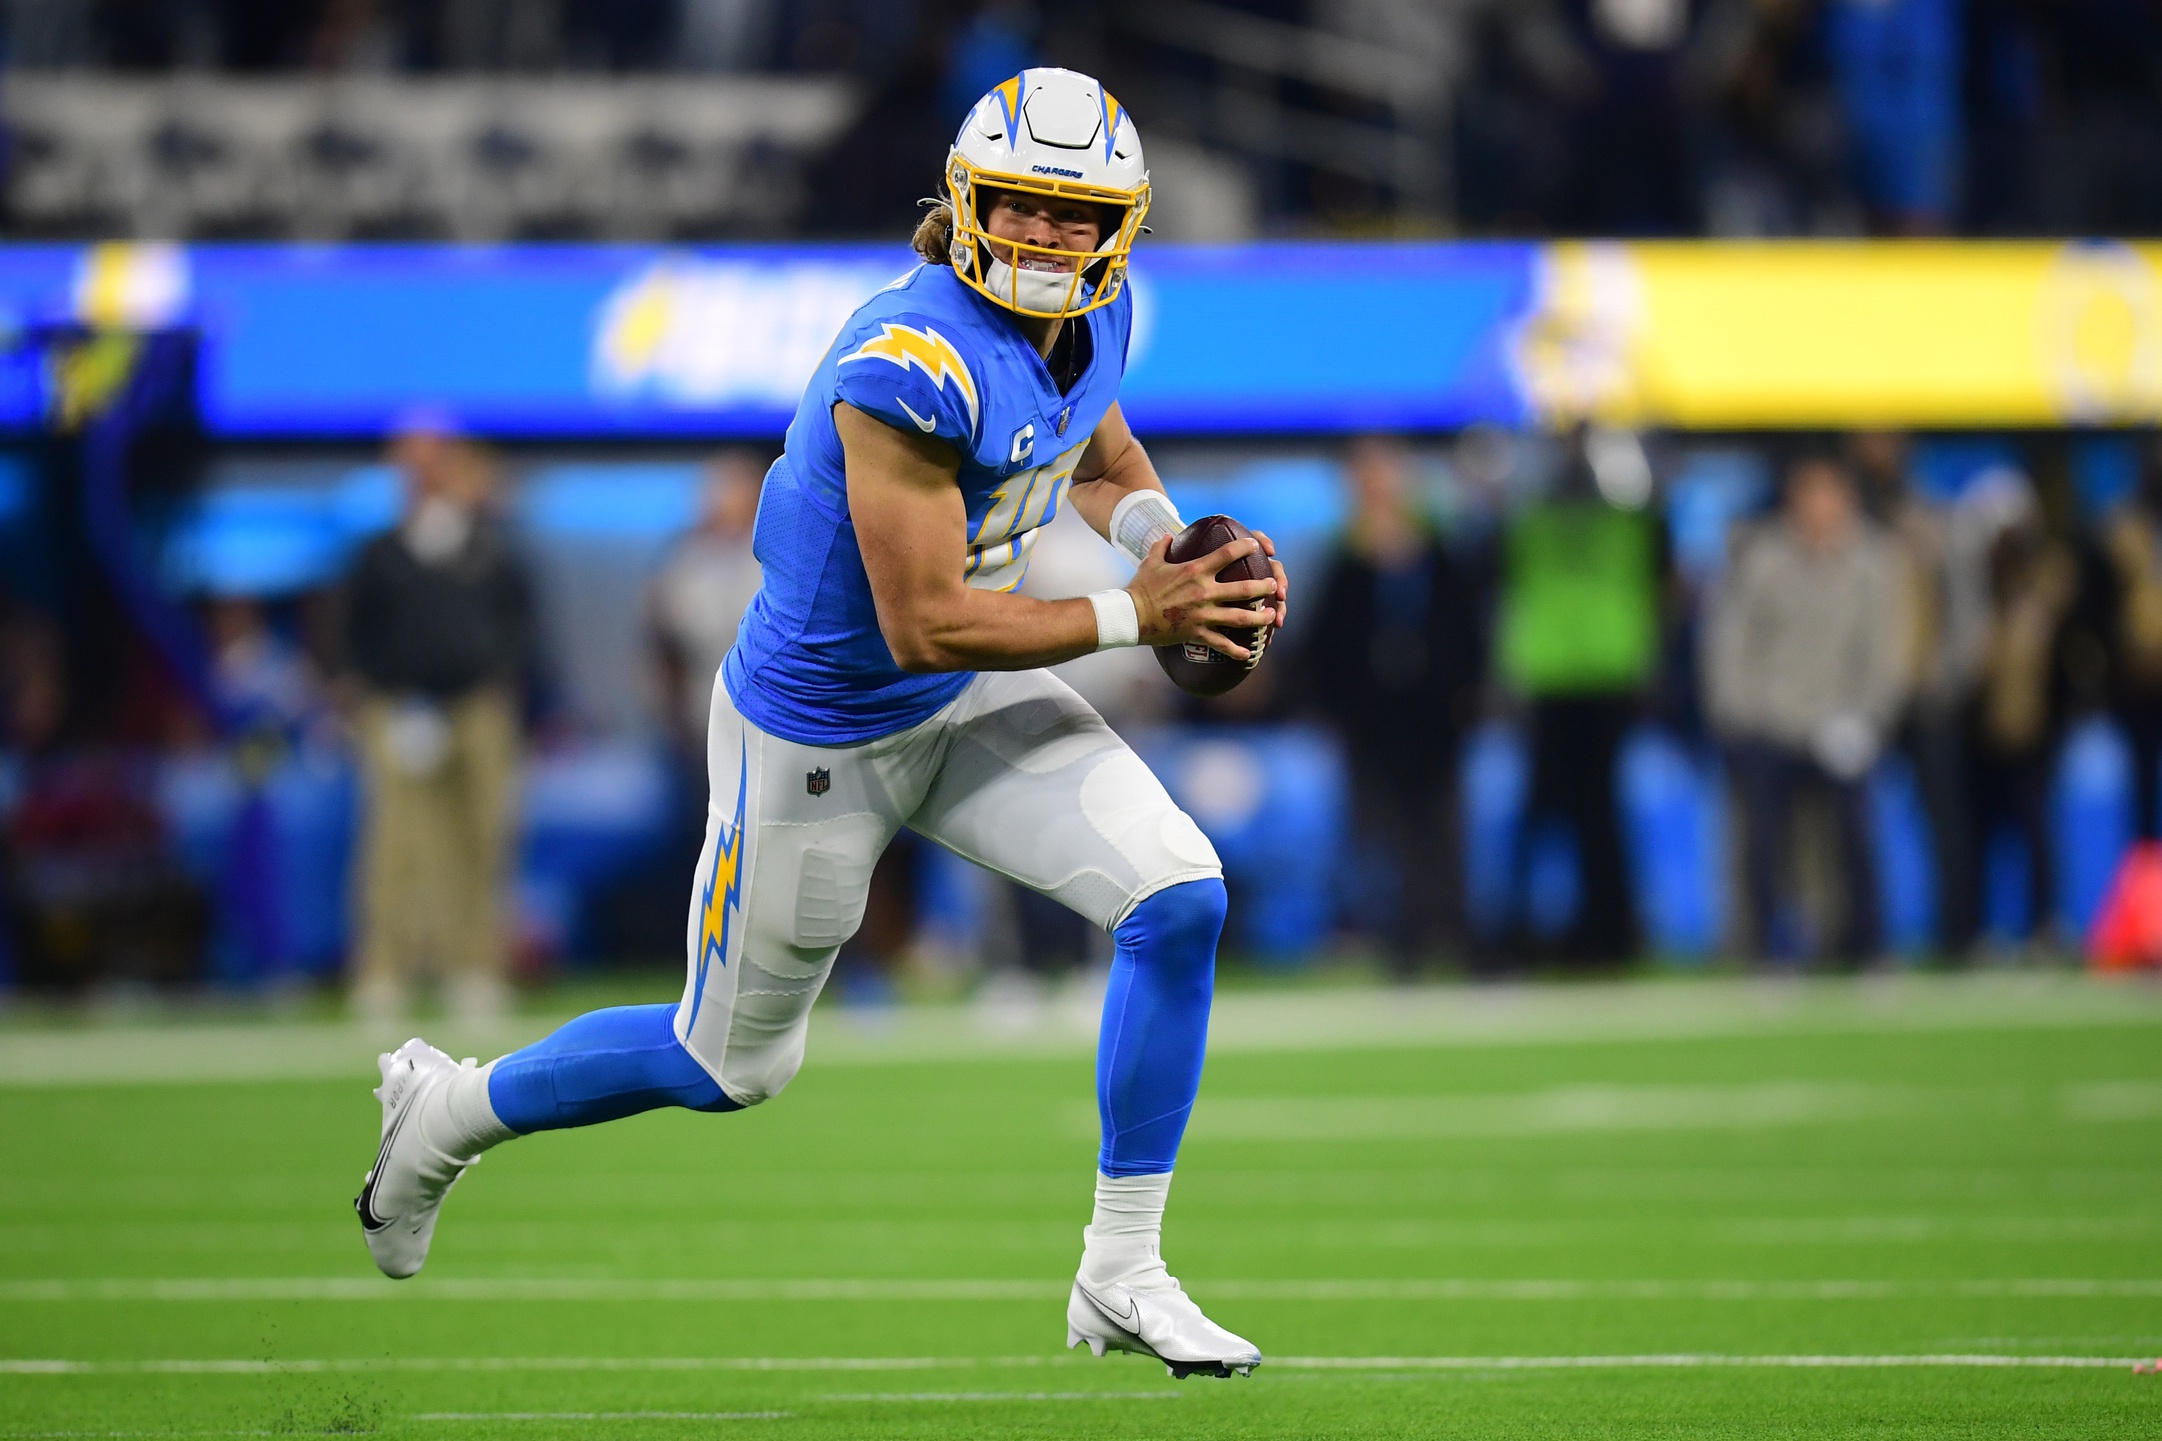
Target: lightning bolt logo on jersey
{"x": 929, "y": 352}
{"x": 928, "y": 356}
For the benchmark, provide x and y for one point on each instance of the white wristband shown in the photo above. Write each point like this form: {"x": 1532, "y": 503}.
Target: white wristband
{"x": 1140, "y": 520}
{"x": 1118, "y": 622}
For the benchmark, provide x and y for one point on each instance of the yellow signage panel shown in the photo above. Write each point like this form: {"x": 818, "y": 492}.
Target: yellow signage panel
{"x": 1802, "y": 334}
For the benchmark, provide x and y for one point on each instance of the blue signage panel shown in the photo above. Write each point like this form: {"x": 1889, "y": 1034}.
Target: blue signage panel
{"x": 570, "y": 341}
{"x": 1328, "y": 337}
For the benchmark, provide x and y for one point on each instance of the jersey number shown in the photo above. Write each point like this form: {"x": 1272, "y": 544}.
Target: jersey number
{"x": 999, "y": 548}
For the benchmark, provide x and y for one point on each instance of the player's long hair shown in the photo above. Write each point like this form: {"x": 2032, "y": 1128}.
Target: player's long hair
{"x": 933, "y": 239}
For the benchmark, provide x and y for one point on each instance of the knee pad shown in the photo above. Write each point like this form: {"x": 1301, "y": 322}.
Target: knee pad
{"x": 1181, "y": 922}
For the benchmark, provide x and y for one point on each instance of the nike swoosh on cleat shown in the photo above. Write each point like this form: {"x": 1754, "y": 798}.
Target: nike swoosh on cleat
{"x": 1125, "y": 1318}
{"x": 364, "y": 1203}
{"x": 926, "y": 426}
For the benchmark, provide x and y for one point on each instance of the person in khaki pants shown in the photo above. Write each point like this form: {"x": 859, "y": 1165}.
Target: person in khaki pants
{"x": 439, "y": 629}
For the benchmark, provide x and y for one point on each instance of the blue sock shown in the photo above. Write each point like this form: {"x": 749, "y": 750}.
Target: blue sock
{"x": 1156, "y": 1023}
{"x": 601, "y": 1067}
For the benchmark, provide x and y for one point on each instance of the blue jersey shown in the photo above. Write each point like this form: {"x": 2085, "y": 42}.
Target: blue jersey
{"x": 931, "y": 355}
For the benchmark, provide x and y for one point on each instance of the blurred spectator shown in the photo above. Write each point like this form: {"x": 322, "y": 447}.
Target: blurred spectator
{"x": 1511, "y": 143}
{"x": 1631, "y": 171}
{"x": 33, "y": 680}
{"x": 619, "y": 34}
{"x": 265, "y": 684}
{"x": 1946, "y": 574}
{"x": 1579, "y": 639}
{"x": 33, "y": 702}
{"x": 699, "y": 596}
{"x": 2098, "y": 155}
{"x": 1805, "y": 672}
{"x": 1897, "y": 65}
{"x": 870, "y": 179}
{"x": 1393, "y": 659}
{"x": 481, "y": 34}
{"x": 2033, "y": 579}
{"x": 269, "y": 695}
{"x": 139, "y": 34}
{"x": 2131, "y": 606}
{"x": 995, "y": 43}
{"x": 257, "y": 34}
{"x": 726, "y": 35}
{"x": 354, "y": 35}
{"x": 97, "y": 893}
{"x": 1622, "y": 117}
{"x": 1773, "y": 161}
{"x": 439, "y": 628}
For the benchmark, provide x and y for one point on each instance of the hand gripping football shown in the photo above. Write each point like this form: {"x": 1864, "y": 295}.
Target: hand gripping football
{"x": 1200, "y": 669}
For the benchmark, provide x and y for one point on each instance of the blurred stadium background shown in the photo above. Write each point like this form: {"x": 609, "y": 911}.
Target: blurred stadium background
{"x": 1405, "y": 254}
{"x": 1751, "y": 403}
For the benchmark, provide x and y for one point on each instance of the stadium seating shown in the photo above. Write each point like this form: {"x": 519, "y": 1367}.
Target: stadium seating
{"x": 470, "y": 158}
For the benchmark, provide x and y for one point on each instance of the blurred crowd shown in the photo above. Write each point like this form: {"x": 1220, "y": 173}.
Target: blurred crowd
{"x": 1610, "y": 117}
{"x": 1856, "y": 619}
{"x": 1803, "y": 643}
{"x": 324, "y": 780}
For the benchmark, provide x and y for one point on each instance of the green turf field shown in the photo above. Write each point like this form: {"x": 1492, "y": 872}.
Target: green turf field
{"x": 1669, "y": 1209}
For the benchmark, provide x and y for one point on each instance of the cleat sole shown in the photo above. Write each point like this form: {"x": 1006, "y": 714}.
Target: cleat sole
{"x": 1219, "y": 1370}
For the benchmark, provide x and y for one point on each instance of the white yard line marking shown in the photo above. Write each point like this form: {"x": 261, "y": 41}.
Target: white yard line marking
{"x": 1566, "y": 1290}
{"x": 1656, "y": 1360}
{"x": 1000, "y": 1396}
{"x": 369, "y": 1288}
{"x": 577, "y": 1288}
{"x": 1432, "y": 1017}
{"x": 602, "y": 1415}
{"x": 251, "y": 1366}
{"x": 1688, "y": 1359}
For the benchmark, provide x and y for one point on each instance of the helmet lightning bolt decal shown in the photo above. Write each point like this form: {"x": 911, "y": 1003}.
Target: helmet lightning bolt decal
{"x": 723, "y": 896}
{"x": 1009, "y": 106}
{"x": 928, "y": 351}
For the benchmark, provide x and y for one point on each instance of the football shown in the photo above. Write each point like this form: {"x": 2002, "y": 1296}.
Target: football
{"x": 1199, "y": 669}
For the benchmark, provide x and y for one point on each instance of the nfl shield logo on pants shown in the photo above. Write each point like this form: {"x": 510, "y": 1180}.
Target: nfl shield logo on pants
{"x": 818, "y": 782}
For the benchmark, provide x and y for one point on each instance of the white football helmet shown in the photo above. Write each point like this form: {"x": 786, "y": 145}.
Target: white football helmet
{"x": 1052, "y": 133}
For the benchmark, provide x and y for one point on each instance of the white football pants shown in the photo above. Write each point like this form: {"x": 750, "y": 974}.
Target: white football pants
{"x": 1017, "y": 773}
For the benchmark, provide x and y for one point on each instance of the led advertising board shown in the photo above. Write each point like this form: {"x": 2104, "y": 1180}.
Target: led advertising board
{"x": 593, "y": 341}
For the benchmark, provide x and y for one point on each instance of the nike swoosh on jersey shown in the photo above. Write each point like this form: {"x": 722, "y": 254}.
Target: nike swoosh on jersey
{"x": 926, "y": 426}
{"x": 364, "y": 1203}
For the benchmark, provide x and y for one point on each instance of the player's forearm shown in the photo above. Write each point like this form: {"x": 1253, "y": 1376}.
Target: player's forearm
{"x": 970, "y": 629}
{"x": 1130, "y": 470}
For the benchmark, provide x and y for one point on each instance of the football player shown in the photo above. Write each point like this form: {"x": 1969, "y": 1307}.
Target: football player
{"x": 887, "y": 674}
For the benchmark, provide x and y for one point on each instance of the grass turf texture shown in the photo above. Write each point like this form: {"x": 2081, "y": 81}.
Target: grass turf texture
{"x": 1988, "y": 1189}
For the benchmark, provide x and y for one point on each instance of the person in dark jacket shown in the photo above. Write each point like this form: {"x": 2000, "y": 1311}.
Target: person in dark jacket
{"x": 1394, "y": 665}
{"x": 439, "y": 629}
{"x": 2122, "y": 609}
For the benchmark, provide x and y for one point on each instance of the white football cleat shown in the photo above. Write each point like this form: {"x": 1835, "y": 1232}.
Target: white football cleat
{"x": 402, "y": 1196}
{"x": 1148, "y": 1314}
